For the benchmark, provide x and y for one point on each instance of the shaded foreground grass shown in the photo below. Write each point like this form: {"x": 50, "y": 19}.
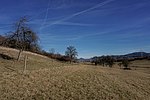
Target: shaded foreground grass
{"x": 80, "y": 82}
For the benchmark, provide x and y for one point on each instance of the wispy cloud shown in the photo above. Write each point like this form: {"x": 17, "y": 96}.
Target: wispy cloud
{"x": 46, "y": 15}
{"x": 52, "y": 5}
{"x": 74, "y": 24}
{"x": 79, "y": 13}
{"x": 124, "y": 33}
{"x": 73, "y": 37}
{"x": 40, "y": 20}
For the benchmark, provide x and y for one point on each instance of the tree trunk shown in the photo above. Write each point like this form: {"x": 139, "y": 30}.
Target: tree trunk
{"x": 19, "y": 55}
{"x": 25, "y": 64}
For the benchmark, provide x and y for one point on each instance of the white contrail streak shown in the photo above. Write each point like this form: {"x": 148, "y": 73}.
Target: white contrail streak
{"x": 46, "y": 15}
{"x": 79, "y": 13}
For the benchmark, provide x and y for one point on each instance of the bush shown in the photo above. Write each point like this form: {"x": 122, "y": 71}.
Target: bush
{"x": 126, "y": 63}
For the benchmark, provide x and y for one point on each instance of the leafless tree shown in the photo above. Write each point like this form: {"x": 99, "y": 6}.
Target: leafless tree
{"x": 71, "y": 52}
{"x": 23, "y": 38}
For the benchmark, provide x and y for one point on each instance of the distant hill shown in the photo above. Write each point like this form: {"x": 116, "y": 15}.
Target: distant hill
{"x": 132, "y": 55}
{"x": 119, "y": 57}
{"x": 84, "y": 60}
{"x": 138, "y": 54}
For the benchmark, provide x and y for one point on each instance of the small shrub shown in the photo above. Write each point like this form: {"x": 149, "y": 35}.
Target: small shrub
{"x": 126, "y": 63}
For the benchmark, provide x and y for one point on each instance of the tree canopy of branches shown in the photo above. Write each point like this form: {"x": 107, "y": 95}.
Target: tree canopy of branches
{"x": 125, "y": 63}
{"x": 109, "y": 61}
{"x": 71, "y": 52}
{"x": 23, "y": 37}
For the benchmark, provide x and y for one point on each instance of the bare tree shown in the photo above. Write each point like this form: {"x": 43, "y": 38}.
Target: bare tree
{"x": 23, "y": 38}
{"x": 71, "y": 52}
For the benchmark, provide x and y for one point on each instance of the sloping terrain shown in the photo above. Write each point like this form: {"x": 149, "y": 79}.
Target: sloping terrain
{"x": 34, "y": 61}
{"x": 47, "y": 79}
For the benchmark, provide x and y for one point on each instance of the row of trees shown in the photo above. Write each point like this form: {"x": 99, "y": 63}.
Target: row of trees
{"x": 104, "y": 61}
{"x": 70, "y": 54}
{"x": 110, "y": 61}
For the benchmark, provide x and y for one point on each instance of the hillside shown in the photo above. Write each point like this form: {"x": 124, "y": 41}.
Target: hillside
{"x": 133, "y": 55}
{"x": 47, "y": 79}
{"x": 34, "y": 61}
{"x": 119, "y": 57}
{"x": 138, "y": 54}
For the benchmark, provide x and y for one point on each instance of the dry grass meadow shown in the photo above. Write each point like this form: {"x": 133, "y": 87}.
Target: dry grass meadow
{"x": 47, "y": 79}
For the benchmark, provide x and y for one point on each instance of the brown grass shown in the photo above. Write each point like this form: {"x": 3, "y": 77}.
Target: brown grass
{"x": 76, "y": 83}
{"x": 34, "y": 61}
{"x": 47, "y": 79}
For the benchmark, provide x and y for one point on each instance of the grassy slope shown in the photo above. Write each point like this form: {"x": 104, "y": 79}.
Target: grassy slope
{"x": 141, "y": 65}
{"x": 79, "y": 82}
{"x": 34, "y": 61}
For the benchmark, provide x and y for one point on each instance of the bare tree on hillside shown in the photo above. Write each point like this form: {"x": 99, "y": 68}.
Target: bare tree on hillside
{"x": 23, "y": 38}
{"x": 71, "y": 52}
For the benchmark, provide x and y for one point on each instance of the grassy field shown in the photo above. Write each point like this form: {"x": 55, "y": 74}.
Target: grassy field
{"x": 80, "y": 82}
{"x": 141, "y": 65}
{"x": 47, "y": 79}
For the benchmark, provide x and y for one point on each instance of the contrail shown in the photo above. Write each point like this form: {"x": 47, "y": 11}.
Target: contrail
{"x": 32, "y": 18}
{"x": 46, "y": 15}
{"x": 79, "y": 13}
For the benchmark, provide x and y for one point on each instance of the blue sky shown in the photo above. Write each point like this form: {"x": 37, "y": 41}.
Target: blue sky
{"x": 94, "y": 27}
